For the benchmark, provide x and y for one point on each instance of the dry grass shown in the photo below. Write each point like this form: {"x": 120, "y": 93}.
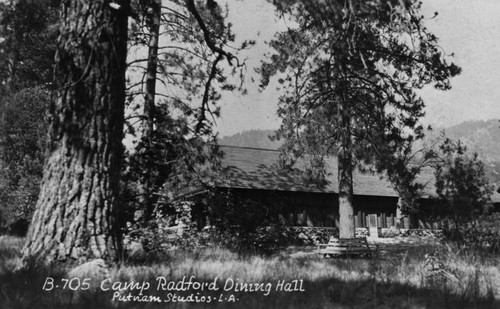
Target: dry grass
{"x": 417, "y": 277}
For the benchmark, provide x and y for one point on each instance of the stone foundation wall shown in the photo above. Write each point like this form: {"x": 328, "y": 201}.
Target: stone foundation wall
{"x": 183, "y": 236}
{"x": 302, "y": 235}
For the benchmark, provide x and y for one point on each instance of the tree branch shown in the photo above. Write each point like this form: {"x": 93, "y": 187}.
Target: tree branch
{"x": 204, "y": 102}
{"x": 207, "y": 35}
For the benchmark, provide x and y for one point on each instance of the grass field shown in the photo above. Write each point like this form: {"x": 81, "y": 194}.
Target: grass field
{"x": 420, "y": 276}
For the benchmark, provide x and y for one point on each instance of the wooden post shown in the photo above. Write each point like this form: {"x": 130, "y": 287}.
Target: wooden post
{"x": 373, "y": 225}
{"x": 399, "y": 215}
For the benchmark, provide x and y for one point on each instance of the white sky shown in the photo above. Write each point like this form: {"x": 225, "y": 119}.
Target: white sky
{"x": 468, "y": 28}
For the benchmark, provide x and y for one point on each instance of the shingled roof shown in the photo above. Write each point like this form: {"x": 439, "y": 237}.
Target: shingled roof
{"x": 253, "y": 168}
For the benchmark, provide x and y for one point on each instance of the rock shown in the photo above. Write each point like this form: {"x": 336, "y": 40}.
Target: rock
{"x": 96, "y": 269}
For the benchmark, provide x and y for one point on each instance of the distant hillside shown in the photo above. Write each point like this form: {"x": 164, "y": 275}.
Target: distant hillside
{"x": 252, "y": 138}
{"x": 482, "y": 137}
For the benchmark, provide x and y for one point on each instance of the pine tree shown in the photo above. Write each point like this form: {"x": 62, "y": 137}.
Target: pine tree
{"x": 349, "y": 70}
{"x": 177, "y": 118}
{"x": 461, "y": 182}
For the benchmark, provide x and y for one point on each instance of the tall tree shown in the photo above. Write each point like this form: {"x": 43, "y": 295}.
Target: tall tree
{"x": 461, "y": 182}
{"x": 349, "y": 70}
{"x": 152, "y": 17}
{"x": 28, "y": 35}
{"x": 75, "y": 213}
{"x": 186, "y": 59}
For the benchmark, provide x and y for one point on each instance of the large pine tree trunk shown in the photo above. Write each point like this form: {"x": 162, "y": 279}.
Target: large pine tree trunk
{"x": 76, "y": 214}
{"x": 345, "y": 169}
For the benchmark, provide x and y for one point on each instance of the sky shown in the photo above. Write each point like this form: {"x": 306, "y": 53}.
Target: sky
{"x": 468, "y": 28}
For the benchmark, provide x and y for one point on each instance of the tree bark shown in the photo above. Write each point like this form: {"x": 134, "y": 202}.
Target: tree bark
{"x": 153, "y": 24}
{"x": 345, "y": 169}
{"x": 76, "y": 214}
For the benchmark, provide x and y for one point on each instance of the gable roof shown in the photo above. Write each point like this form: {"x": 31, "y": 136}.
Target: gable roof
{"x": 253, "y": 168}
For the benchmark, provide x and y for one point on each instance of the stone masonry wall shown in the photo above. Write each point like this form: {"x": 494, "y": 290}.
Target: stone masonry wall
{"x": 316, "y": 235}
